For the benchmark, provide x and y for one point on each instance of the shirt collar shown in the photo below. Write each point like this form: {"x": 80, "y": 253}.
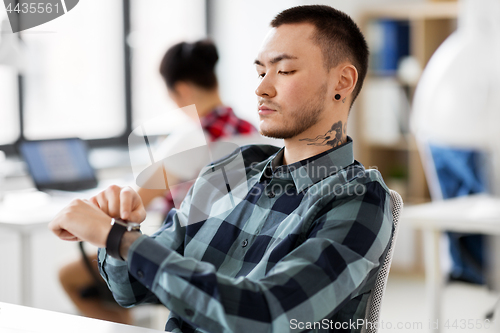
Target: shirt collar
{"x": 313, "y": 169}
{"x": 217, "y": 113}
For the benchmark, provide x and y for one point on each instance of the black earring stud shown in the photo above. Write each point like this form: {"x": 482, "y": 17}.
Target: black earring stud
{"x": 337, "y": 97}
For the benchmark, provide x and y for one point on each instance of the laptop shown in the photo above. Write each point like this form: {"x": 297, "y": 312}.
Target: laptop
{"x": 58, "y": 164}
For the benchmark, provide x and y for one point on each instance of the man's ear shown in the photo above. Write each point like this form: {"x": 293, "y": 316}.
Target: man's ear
{"x": 347, "y": 77}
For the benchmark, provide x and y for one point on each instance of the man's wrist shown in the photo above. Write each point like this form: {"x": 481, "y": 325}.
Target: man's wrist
{"x": 115, "y": 240}
{"x": 127, "y": 240}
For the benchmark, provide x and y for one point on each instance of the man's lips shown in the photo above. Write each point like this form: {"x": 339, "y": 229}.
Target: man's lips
{"x": 265, "y": 110}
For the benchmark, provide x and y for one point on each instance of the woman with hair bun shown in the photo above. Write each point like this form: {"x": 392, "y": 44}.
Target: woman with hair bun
{"x": 188, "y": 70}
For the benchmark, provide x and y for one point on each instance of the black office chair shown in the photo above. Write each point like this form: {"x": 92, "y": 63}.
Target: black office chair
{"x": 98, "y": 289}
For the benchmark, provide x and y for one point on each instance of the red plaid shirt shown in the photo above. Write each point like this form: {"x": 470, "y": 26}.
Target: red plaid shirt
{"x": 220, "y": 123}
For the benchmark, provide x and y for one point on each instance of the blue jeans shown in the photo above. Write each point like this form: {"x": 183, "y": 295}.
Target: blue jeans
{"x": 462, "y": 172}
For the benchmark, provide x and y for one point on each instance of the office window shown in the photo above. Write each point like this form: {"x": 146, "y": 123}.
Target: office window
{"x": 155, "y": 26}
{"x": 9, "y": 109}
{"x": 75, "y": 76}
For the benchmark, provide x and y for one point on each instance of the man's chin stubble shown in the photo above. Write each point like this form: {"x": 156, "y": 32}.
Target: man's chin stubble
{"x": 288, "y": 133}
{"x": 301, "y": 124}
{"x": 308, "y": 116}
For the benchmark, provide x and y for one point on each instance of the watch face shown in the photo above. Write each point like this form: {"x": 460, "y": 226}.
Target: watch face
{"x": 133, "y": 226}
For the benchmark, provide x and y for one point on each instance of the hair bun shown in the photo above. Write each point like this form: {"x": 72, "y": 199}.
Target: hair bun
{"x": 206, "y": 50}
{"x": 190, "y": 62}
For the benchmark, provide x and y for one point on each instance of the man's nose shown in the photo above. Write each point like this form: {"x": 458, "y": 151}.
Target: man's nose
{"x": 266, "y": 87}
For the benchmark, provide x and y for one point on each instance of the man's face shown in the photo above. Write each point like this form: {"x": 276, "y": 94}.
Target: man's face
{"x": 293, "y": 87}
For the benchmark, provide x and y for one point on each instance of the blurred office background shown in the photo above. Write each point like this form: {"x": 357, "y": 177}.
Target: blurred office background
{"x": 93, "y": 73}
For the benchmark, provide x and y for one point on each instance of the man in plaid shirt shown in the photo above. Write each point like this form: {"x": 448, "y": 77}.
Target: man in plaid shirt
{"x": 296, "y": 245}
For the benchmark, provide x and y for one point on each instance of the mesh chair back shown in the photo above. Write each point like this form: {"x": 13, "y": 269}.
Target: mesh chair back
{"x": 375, "y": 300}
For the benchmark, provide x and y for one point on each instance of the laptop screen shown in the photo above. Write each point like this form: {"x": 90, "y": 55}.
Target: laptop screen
{"x": 59, "y": 164}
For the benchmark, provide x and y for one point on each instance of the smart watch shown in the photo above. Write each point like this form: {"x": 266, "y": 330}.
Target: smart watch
{"x": 119, "y": 227}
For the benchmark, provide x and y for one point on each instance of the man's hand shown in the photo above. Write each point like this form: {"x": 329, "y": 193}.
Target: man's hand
{"x": 90, "y": 220}
{"x": 82, "y": 220}
{"x": 121, "y": 202}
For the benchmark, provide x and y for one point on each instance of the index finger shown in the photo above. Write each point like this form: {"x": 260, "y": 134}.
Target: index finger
{"x": 126, "y": 202}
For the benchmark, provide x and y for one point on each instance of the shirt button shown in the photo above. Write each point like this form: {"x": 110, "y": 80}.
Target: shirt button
{"x": 188, "y": 312}
{"x": 244, "y": 243}
{"x": 140, "y": 274}
{"x": 271, "y": 195}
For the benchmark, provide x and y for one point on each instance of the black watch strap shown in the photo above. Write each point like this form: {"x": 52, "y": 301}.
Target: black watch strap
{"x": 114, "y": 239}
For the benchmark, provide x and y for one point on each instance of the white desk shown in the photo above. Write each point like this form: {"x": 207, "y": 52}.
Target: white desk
{"x": 20, "y": 319}
{"x": 27, "y": 213}
{"x": 472, "y": 214}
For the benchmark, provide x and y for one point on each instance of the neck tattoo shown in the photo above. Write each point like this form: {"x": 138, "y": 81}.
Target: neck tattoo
{"x": 334, "y": 137}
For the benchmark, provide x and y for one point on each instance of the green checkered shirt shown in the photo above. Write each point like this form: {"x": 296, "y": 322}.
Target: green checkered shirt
{"x": 298, "y": 250}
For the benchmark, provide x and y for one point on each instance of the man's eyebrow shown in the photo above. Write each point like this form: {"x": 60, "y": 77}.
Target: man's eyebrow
{"x": 276, "y": 59}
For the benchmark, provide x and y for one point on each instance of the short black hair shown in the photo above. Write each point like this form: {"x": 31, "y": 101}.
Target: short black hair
{"x": 190, "y": 62}
{"x": 338, "y": 36}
